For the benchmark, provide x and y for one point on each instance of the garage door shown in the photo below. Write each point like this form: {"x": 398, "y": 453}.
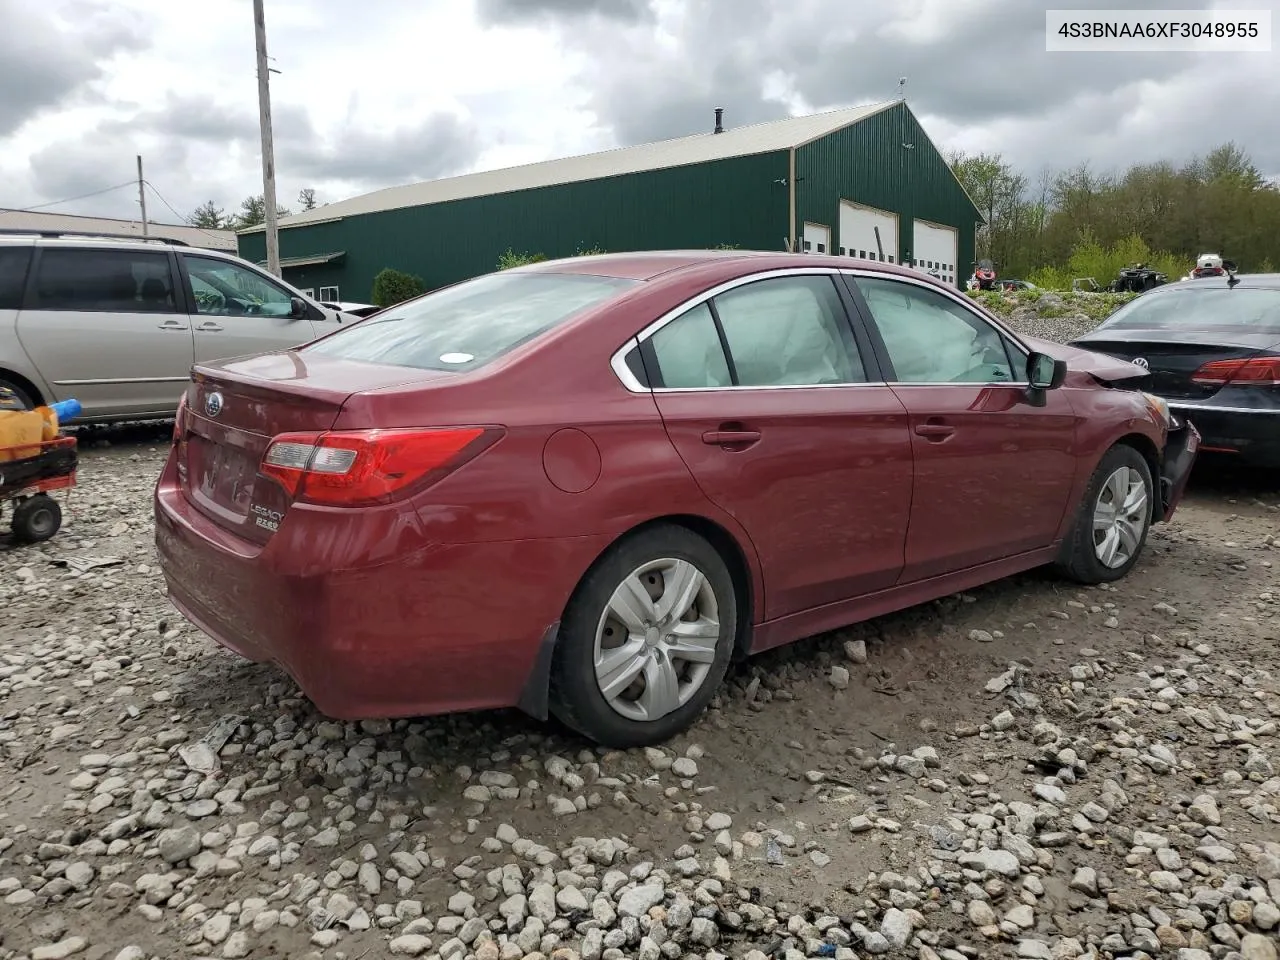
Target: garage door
{"x": 817, "y": 238}
{"x": 859, "y": 226}
{"x": 936, "y": 249}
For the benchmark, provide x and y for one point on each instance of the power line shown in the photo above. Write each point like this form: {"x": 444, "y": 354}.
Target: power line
{"x": 83, "y": 196}
{"x": 185, "y": 219}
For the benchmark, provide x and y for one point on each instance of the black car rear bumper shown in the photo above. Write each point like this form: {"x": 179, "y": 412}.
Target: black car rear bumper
{"x": 1254, "y": 437}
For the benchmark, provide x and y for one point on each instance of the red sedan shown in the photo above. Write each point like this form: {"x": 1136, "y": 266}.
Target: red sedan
{"x": 583, "y": 487}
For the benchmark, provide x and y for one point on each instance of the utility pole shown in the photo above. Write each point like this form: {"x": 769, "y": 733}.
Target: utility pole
{"x": 142, "y": 197}
{"x": 268, "y": 156}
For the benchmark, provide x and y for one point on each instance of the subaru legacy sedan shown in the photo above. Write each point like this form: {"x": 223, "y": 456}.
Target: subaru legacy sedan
{"x": 583, "y": 487}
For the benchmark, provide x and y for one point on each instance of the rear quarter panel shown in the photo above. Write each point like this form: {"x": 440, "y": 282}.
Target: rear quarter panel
{"x": 13, "y": 358}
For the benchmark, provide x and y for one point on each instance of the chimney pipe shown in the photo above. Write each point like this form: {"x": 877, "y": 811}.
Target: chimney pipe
{"x": 719, "y": 120}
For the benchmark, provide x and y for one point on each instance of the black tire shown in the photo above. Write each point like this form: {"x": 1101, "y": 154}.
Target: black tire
{"x": 1079, "y": 559}
{"x": 22, "y": 393}
{"x": 36, "y": 519}
{"x": 575, "y": 695}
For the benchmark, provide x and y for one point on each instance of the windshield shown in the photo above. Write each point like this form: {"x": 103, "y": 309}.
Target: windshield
{"x": 1221, "y": 308}
{"x": 465, "y": 326}
{"x": 984, "y": 264}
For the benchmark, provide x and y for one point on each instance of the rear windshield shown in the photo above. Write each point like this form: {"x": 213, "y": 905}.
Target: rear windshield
{"x": 1242, "y": 310}
{"x": 465, "y": 326}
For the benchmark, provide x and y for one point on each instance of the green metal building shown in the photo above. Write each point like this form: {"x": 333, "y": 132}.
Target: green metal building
{"x": 864, "y": 181}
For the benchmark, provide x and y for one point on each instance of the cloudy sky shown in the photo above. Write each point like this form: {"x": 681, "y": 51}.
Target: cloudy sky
{"x": 377, "y": 92}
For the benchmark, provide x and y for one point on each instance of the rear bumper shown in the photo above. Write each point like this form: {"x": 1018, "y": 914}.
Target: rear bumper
{"x": 1255, "y": 437}
{"x": 421, "y": 628}
{"x": 1180, "y": 451}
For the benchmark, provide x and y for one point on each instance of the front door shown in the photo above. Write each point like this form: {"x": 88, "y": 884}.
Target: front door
{"x": 103, "y": 327}
{"x": 993, "y": 473}
{"x": 766, "y": 396}
{"x": 239, "y": 311}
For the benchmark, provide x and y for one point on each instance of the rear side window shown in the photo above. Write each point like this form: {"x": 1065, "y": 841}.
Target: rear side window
{"x": 465, "y": 326}
{"x": 104, "y": 281}
{"x": 689, "y": 352}
{"x": 13, "y": 275}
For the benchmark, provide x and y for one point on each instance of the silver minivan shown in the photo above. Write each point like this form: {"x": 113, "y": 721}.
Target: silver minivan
{"x": 117, "y": 323}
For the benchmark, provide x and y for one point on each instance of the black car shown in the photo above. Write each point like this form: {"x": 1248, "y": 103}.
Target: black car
{"x": 1212, "y": 351}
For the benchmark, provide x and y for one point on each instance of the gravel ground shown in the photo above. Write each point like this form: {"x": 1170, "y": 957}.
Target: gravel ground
{"x": 1031, "y": 770}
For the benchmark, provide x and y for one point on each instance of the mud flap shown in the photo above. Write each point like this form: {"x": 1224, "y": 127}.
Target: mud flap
{"x": 534, "y": 698}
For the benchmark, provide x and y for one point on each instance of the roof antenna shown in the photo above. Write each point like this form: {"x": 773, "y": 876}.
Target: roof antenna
{"x": 1231, "y": 268}
{"x": 902, "y": 88}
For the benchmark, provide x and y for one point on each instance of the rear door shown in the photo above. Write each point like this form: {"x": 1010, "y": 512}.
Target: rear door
{"x": 993, "y": 473}
{"x": 106, "y": 326}
{"x": 776, "y": 408}
{"x": 239, "y": 311}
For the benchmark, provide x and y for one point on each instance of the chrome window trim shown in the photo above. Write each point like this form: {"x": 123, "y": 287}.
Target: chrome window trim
{"x": 1192, "y": 407}
{"x": 617, "y": 361}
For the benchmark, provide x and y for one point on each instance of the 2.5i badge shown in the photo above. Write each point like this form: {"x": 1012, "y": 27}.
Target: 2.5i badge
{"x": 267, "y": 519}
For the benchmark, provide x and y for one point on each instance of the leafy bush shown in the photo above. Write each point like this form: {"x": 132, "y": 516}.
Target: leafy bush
{"x": 393, "y": 286}
{"x": 511, "y": 259}
{"x": 1090, "y": 259}
{"x": 592, "y": 251}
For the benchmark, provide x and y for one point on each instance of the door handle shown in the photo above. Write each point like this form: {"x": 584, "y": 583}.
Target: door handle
{"x": 936, "y": 432}
{"x": 174, "y": 325}
{"x": 729, "y": 438}
{"x": 210, "y": 327}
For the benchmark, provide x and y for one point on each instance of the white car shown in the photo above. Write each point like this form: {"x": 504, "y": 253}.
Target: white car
{"x": 117, "y": 323}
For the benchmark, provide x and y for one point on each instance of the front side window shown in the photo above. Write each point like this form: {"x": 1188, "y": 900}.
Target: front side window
{"x": 469, "y": 324}
{"x": 13, "y": 275}
{"x": 932, "y": 339}
{"x": 104, "y": 281}
{"x": 225, "y": 289}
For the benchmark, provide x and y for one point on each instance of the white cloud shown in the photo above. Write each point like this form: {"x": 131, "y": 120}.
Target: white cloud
{"x": 385, "y": 91}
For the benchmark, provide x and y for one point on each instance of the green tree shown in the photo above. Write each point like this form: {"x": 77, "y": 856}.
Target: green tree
{"x": 209, "y": 216}
{"x": 307, "y": 198}
{"x": 393, "y": 286}
{"x": 253, "y": 211}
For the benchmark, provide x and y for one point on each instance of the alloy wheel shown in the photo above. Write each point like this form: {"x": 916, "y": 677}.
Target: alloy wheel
{"x": 656, "y": 639}
{"x": 1120, "y": 517}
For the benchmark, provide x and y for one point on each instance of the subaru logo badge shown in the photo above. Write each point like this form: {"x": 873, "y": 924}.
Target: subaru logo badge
{"x": 1140, "y": 361}
{"x": 213, "y": 404}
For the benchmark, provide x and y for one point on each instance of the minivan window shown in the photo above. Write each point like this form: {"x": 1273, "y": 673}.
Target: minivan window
{"x": 13, "y": 275}
{"x": 467, "y": 325}
{"x": 226, "y": 289}
{"x": 104, "y": 281}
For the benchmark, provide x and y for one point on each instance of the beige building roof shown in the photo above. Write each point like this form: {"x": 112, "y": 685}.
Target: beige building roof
{"x": 699, "y": 148}
{"x": 193, "y": 236}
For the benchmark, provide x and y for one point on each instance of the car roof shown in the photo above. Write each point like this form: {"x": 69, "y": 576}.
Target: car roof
{"x": 1265, "y": 281}
{"x": 60, "y": 238}
{"x": 649, "y": 265}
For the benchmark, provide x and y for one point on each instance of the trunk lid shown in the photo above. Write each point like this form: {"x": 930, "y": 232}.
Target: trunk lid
{"x": 235, "y": 409}
{"x": 1172, "y": 358}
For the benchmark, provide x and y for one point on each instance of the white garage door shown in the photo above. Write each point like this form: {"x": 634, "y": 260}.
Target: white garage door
{"x": 858, "y": 233}
{"x": 936, "y": 249}
{"x": 817, "y": 238}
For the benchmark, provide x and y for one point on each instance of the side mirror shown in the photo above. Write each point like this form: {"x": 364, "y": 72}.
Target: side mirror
{"x": 1044, "y": 372}
{"x": 297, "y": 308}
{"x": 1229, "y": 265}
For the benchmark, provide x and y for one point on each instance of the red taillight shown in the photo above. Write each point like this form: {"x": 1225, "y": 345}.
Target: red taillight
{"x": 350, "y": 467}
{"x": 180, "y": 420}
{"x": 1250, "y": 372}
